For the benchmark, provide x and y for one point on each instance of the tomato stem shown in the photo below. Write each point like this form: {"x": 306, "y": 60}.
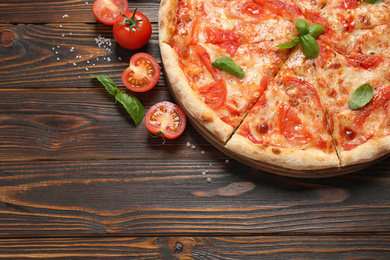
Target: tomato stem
{"x": 131, "y": 22}
{"x": 159, "y": 134}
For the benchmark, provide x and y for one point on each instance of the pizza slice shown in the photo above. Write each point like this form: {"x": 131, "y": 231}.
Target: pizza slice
{"x": 288, "y": 126}
{"x": 341, "y": 18}
{"x": 360, "y": 134}
{"x": 217, "y": 99}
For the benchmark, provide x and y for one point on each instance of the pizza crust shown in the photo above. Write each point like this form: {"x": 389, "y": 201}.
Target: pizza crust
{"x": 369, "y": 151}
{"x": 292, "y": 158}
{"x": 308, "y": 160}
{"x": 188, "y": 99}
{"x": 167, "y": 19}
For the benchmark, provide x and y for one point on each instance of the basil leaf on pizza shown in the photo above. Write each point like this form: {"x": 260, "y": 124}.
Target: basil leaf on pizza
{"x": 373, "y": 1}
{"x": 308, "y": 35}
{"x": 290, "y": 44}
{"x": 302, "y": 26}
{"x": 228, "y": 65}
{"x": 361, "y": 96}
{"x": 316, "y": 30}
{"x": 309, "y": 46}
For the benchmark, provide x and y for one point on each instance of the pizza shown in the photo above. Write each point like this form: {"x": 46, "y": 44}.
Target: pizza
{"x": 249, "y": 72}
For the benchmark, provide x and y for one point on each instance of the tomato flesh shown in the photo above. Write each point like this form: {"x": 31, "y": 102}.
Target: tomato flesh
{"x": 166, "y": 118}
{"x": 279, "y": 7}
{"x": 366, "y": 61}
{"x": 291, "y": 126}
{"x": 142, "y": 74}
{"x": 130, "y": 37}
{"x": 107, "y": 11}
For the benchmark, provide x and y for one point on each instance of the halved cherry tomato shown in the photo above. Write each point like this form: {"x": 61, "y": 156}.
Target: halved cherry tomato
{"x": 107, "y": 11}
{"x": 133, "y": 30}
{"x": 142, "y": 74}
{"x": 166, "y": 119}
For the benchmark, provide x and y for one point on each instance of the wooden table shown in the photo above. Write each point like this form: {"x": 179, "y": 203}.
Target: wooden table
{"x": 79, "y": 179}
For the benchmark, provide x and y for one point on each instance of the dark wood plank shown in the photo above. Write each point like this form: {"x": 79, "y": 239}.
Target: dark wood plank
{"x": 85, "y": 124}
{"x": 50, "y": 56}
{"x": 228, "y": 248}
{"x": 173, "y": 196}
{"x": 65, "y": 11}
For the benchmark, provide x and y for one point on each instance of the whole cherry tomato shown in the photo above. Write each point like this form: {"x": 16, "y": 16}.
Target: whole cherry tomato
{"x": 132, "y": 30}
{"x": 107, "y": 11}
{"x": 166, "y": 119}
{"x": 142, "y": 74}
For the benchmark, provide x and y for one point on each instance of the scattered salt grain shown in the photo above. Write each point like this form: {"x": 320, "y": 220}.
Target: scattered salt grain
{"x": 88, "y": 61}
{"x": 58, "y": 46}
{"x": 60, "y": 25}
{"x": 193, "y": 146}
{"x": 58, "y": 58}
{"x": 209, "y": 180}
{"x": 93, "y": 64}
{"x": 119, "y": 58}
{"x": 226, "y": 161}
{"x": 56, "y": 52}
{"x": 188, "y": 144}
{"x": 74, "y": 64}
{"x": 202, "y": 152}
{"x": 86, "y": 3}
{"x": 203, "y": 173}
{"x": 108, "y": 59}
{"x": 62, "y": 35}
{"x": 70, "y": 33}
{"x": 65, "y": 16}
{"x": 100, "y": 41}
{"x": 86, "y": 69}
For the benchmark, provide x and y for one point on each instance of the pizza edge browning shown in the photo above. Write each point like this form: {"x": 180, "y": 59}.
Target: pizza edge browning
{"x": 177, "y": 80}
{"x": 290, "y": 158}
{"x": 366, "y": 152}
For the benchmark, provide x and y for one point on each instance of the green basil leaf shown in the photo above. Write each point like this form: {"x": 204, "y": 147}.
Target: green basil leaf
{"x": 302, "y": 26}
{"x": 108, "y": 83}
{"x": 373, "y": 1}
{"x": 133, "y": 106}
{"x": 316, "y": 30}
{"x": 288, "y": 45}
{"x": 361, "y": 96}
{"x": 309, "y": 46}
{"x": 228, "y": 65}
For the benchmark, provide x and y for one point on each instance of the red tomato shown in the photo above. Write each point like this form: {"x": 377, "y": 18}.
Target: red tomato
{"x": 291, "y": 126}
{"x": 142, "y": 74}
{"x": 107, "y": 11}
{"x": 366, "y": 61}
{"x": 214, "y": 94}
{"x": 133, "y": 30}
{"x": 166, "y": 118}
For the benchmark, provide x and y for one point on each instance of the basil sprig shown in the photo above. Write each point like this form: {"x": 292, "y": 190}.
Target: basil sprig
{"x": 361, "y": 96}
{"x": 228, "y": 65}
{"x": 373, "y": 1}
{"x": 132, "y": 105}
{"x": 308, "y": 35}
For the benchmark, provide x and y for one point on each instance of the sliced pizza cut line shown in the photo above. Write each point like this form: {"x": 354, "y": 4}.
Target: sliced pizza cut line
{"x": 287, "y": 111}
{"x": 288, "y": 125}
{"x": 360, "y": 134}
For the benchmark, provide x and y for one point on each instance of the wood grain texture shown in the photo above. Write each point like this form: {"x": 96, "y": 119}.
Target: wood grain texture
{"x": 85, "y": 124}
{"x": 227, "y": 248}
{"x": 168, "y": 197}
{"x": 79, "y": 180}
{"x": 64, "y": 11}
{"x": 63, "y": 55}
